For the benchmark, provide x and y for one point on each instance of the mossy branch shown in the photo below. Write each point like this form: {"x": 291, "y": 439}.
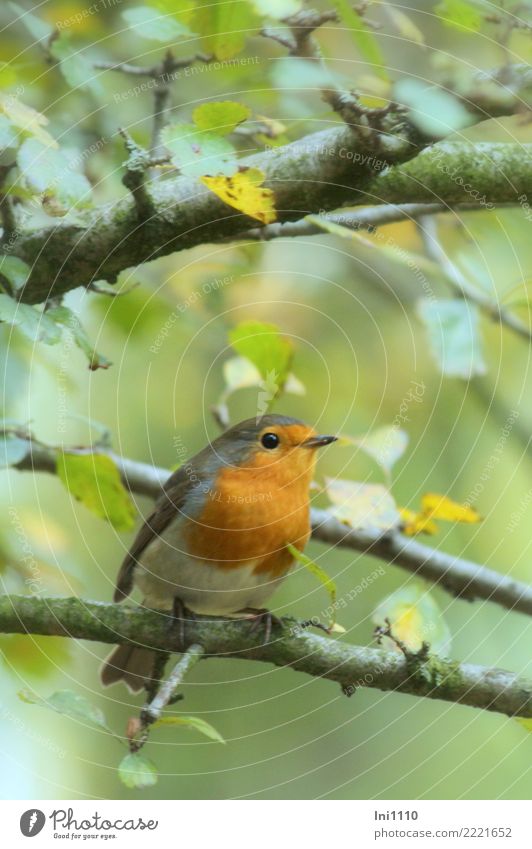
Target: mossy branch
{"x": 349, "y": 666}
{"x": 322, "y": 171}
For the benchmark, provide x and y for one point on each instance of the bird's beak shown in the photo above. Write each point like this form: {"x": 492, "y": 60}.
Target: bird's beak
{"x": 319, "y": 441}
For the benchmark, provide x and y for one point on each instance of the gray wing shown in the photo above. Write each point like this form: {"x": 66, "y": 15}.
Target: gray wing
{"x": 171, "y": 500}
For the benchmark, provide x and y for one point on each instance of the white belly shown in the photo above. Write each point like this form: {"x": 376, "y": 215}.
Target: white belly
{"x": 164, "y": 573}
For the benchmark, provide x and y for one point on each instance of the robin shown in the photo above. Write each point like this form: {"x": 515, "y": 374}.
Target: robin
{"x": 216, "y": 541}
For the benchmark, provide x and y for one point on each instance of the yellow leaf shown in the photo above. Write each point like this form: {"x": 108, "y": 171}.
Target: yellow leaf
{"x": 415, "y": 618}
{"x": 373, "y": 101}
{"x": 417, "y": 523}
{"x": 440, "y": 507}
{"x": 26, "y": 119}
{"x": 244, "y": 191}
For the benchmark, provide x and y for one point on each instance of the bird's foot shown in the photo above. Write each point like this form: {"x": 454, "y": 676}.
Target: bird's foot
{"x": 260, "y": 617}
{"x": 180, "y": 615}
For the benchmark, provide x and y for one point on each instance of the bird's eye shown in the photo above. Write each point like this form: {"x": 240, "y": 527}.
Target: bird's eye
{"x": 270, "y": 440}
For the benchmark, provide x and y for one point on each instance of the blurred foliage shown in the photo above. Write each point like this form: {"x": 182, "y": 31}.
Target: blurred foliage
{"x": 368, "y": 360}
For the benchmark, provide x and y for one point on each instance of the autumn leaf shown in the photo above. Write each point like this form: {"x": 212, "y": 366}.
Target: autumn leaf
{"x": 416, "y": 523}
{"x": 415, "y": 618}
{"x": 244, "y": 191}
{"x": 434, "y": 506}
{"x": 441, "y": 507}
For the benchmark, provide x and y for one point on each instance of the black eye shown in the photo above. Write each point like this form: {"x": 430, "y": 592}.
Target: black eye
{"x": 270, "y": 440}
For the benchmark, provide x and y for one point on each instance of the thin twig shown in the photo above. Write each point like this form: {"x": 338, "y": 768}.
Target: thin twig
{"x": 459, "y": 282}
{"x": 161, "y": 103}
{"x": 166, "y": 693}
{"x": 365, "y": 219}
{"x": 124, "y": 68}
{"x": 459, "y": 576}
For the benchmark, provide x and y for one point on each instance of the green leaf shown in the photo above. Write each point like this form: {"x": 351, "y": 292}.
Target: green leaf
{"x": 50, "y": 173}
{"x": 303, "y": 74}
{"x": 74, "y": 65}
{"x": 318, "y": 573}
{"x": 241, "y": 373}
{"x": 69, "y": 704}
{"x": 459, "y": 14}
{"x": 94, "y": 480}
{"x": 32, "y": 323}
{"x": 67, "y": 318}
{"x": 525, "y": 722}
{"x": 454, "y": 336}
{"x": 269, "y": 351}
{"x": 15, "y": 270}
{"x": 277, "y": 9}
{"x": 192, "y": 722}
{"x": 415, "y": 618}
{"x": 12, "y": 449}
{"x": 148, "y": 23}
{"x": 433, "y": 110}
{"x": 38, "y": 28}
{"x": 224, "y": 26}
{"x": 220, "y": 116}
{"x": 363, "y": 38}
{"x": 386, "y": 445}
{"x": 368, "y": 506}
{"x": 197, "y": 153}
{"x": 137, "y": 771}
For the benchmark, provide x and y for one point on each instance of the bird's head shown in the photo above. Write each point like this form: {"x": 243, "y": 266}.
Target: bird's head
{"x": 279, "y": 445}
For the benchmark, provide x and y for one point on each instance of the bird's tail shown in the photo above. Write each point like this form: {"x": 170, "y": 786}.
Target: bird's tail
{"x": 134, "y": 666}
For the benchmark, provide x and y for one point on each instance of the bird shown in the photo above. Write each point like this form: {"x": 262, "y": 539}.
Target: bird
{"x": 216, "y": 541}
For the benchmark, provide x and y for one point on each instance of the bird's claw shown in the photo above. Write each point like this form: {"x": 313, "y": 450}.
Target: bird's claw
{"x": 262, "y": 617}
{"x": 180, "y": 615}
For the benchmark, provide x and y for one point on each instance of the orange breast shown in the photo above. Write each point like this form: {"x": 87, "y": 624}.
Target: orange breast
{"x": 252, "y": 514}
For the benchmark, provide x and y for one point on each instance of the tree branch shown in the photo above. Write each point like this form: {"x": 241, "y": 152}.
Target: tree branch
{"x": 460, "y": 283}
{"x": 306, "y": 175}
{"x": 364, "y": 219}
{"x": 461, "y": 577}
{"x": 350, "y": 666}
{"x": 321, "y": 171}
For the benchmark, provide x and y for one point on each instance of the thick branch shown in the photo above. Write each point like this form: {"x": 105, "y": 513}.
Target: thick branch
{"x": 350, "y": 666}
{"x": 306, "y": 175}
{"x": 321, "y": 171}
{"x": 460, "y": 577}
